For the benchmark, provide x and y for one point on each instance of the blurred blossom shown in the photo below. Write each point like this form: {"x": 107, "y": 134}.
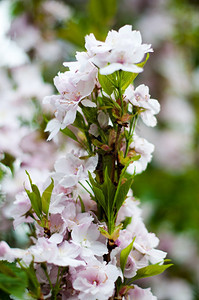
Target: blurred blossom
{"x": 172, "y": 65}
{"x": 30, "y": 83}
{"x": 156, "y": 26}
{"x": 57, "y": 9}
{"x": 175, "y": 289}
{"x": 10, "y": 53}
{"x": 24, "y": 34}
{"x": 173, "y": 150}
{"x": 178, "y": 114}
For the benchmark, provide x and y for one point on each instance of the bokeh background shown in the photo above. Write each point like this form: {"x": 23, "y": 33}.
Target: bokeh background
{"x": 36, "y": 37}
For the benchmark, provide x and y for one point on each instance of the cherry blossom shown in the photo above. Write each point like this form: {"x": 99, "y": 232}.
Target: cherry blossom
{"x": 96, "y": 281}
{"x": 73, "y": 86}
{"x": 137, "y": 293}
{"x": 71, "y": 169}
{"x": 121, "y": 50}
{"x": 86, "y": 237}
{"x": 145, "y": 149}
{"x": 148, "y": 107}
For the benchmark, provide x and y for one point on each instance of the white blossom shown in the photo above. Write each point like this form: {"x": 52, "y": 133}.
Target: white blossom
{"x": 145, "y": 149}
{"x": 149, "y": 107}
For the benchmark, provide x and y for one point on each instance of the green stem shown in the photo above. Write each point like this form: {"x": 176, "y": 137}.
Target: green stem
{"x": 85, "y": 188}
{"x": 131, "y": 131}
{"x": 47, "y": 276}
{"x": 115, "y": 154}
{"x": 57, "y": 285}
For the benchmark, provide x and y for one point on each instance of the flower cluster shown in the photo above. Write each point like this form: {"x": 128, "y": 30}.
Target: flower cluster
{"x": 88, "y": 237}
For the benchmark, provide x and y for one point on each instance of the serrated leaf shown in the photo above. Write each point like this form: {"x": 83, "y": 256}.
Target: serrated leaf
{"x": 124, "y": 255}
{"x": 13, "y": 280}
{"x": 150, "y": 270}
{"x": 46, "y": 196}
{"x": 69, "y": 133}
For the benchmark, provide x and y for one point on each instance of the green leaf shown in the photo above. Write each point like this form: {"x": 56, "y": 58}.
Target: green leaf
{"x": 80, "y": 122}
{"x": 34, "y": 197}
{"x": 13, "y": 280}
{"x": 82, "y": 204}
{"x": 46, "y": 196}
{"x": 107, "y": 83}
{"x": 150, "y": 270}
{"x": 141, "y": 65}
{"x": 90, "y": 114}
{"x": 126, "y": 222}
{"x": 122, "y": 191}
{"x": 37, "y": 193}
{"x": 124, "y": 255}
{"x": 128, "y": 77}
{"x": 99, "y": 196}
{"x": 35, "y": 205}
{"x": 69, "y": 133}
{"x": 109, "y": 193}
{"x": 33, "y": 284}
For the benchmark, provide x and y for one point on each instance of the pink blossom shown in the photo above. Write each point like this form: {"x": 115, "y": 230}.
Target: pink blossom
{"x": 137, "y": 293}
{"x": 21, "y": 206}
{"x": 73, "y": 86}
{"x": 145, "y": 149}
{"x": 86, "y": 237}
{"x": 72, "y": 218}
{"x": 10, "y": 254}
{"x": 121, "y": 50}
{"x": 140, "y": 97}
{"x": 96, "y": 282}
{"x": 144, "y": 244}
{"x": 129, "y": 208}
{"x": 71, "y": 169}
{"x": 63, "y": 255}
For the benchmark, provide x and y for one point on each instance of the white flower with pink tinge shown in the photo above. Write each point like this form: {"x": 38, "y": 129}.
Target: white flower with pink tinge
{"x": 149, "y": 107}
{"x": 10, "y": 254}
{"x": 21, "y": 206}
{"x": 86, "y": 237}
{"x": 96, "y": 281}
{"x": 137, "y": 293}
{"x": 71, "y": 169}
{"x": 145, "y": 244}
{"x": 73, "y": 86}
{"x": 145, "y": 149}
{"x": 121, "y": 50}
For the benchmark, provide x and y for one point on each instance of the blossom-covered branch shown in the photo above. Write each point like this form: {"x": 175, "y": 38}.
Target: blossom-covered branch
{"x": 88, "y": 237}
